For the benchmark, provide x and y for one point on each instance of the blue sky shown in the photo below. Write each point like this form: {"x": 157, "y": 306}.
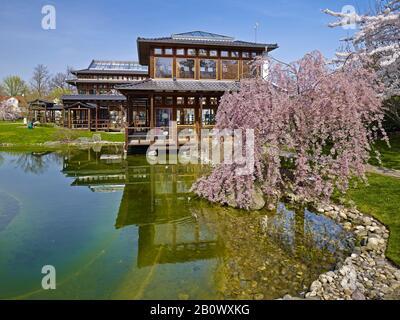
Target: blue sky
{"x": 100, "y": 29}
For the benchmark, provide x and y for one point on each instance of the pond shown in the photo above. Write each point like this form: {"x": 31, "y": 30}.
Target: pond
{"x": 118, "y": 228}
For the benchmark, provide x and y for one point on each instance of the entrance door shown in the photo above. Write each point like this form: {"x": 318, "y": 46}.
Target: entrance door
{"x": 163, "y": 117}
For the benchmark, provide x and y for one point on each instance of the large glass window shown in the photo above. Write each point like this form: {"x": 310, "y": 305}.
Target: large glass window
{"x": 229, "y": 69}
{"x": 203, "y": 52}
{"x": 185, "y": 68}
{"x": 224, "y": 54}
{"x": 208, "y": 69}
{"x": 246, "y": 69}
{"x": 180, "y": 52}
{"x": 213, "y": 53}
{"x": 168, "y": 51}
{"x": 185, "y": 116}
{"x": 157, "y": 51}
{"x": 163, "y": 117}
{"x": 163, "y": 67}
{"x": 208, "y": 117}
{"x": 191, "y": 52}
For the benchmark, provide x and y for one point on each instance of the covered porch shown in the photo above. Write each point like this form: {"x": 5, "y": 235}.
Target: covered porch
{"x": 86, "y": 116}
{"x": 45, "y": 112}
{"x": 154, "y": 104}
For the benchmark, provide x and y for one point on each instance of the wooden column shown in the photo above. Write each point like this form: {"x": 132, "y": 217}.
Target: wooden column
{"x": 97, "y": 116}
{"x": 152, "y": 123}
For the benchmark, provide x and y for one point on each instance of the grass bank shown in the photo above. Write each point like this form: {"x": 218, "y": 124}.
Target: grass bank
{"x": 17, "y": 134}
{"x": 381, "y": 199}
{"x": 390, "y": 156}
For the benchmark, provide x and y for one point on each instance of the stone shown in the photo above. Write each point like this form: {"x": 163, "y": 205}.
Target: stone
{"x": 358, "y": 295}
{"x": 373, "y": 244}
{"x": 316, "y": 285}
{"x": 258, "y": 201}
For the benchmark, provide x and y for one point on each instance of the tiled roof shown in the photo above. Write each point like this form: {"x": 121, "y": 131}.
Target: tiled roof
{"x": 93, "y": 97}
{"x": 114, "y": 67}
{"x": 181, "y": 85}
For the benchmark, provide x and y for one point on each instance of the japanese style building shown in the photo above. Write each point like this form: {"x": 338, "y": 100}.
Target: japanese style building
{"x": 179, "y": 78}
{"x": 98, "y": 105}
{"x": 188, "y": 74}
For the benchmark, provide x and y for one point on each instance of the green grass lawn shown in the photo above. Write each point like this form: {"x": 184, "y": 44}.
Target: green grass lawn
{"x": 390, "y": 156}
{"x": 381, "y": 199}
{"x": 17, "y": 133}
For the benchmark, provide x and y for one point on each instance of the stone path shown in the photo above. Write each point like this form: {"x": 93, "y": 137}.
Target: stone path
{"x": 384, "y": 171}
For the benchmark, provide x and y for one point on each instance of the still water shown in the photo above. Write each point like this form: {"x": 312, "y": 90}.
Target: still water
{"x": 121, "y": 229}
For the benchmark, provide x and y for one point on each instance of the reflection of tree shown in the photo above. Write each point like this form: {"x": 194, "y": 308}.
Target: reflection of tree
{"x": 37, "y": 163}
{"x": 268, "y": 260}
{"x": 1, "y": 160}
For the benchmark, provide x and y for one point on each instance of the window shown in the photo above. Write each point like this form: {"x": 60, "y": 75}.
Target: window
{"x": 213, "y": 101}
{"x": 246, "y": 55}
{"x": 208, "y": 69}
{"x": 229, "y": 69}
{"x": 224, "y": 54}
{"x": 191, "y": 101}
{"x": 185, "y": 116}
{"x": 158, "y": 100}
{"x": 254, "y": 54}
{"x": 169, "y": 101}
{"x": 180, "y": 101}
{"x": 163, "y": 67}
{"x": 185, "y": 68}
{"x": 180, "y": 52}
{"x": 168, "y": 51}
{"x": 213, "y": 53}
{"x": 208, "y": 117}
{"x": 157, "y": 51}
{"x": 191, "y": 52}
{"x": 163, "y": 116}
{"x": 246, "y": 73}
{"x": 235, "y": 54}
{"x": 203, "y": 52}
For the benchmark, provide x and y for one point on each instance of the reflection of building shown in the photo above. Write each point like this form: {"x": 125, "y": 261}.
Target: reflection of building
{"x": 155, "y": 199}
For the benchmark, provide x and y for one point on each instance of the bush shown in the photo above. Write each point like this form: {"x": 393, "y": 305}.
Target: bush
{"x": 65, "y": 135}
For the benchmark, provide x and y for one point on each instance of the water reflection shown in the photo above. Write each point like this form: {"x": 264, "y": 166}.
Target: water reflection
{"x": 206, "y": 251}
{"x": 267, "y": 254}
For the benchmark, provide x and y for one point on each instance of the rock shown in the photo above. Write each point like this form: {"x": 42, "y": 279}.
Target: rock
{"x": 258, "y": 201}
{"x": 358, "y": 295}
{"x": 373, "y": 244}
{"x": 316, "y": 285}
{"x": 96, "y": 137}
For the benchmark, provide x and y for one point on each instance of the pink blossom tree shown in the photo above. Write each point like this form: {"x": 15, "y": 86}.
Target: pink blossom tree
{"x": 313, "y": 126}
{"x": 9, "y": 111}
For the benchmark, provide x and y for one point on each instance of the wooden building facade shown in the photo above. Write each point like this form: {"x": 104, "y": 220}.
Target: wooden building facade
{"x": 188, "y": 74}
{"x": 95, "y": 86}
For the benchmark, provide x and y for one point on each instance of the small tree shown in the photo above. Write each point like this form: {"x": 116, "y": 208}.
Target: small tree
{"x": 326, "y": 120}
{"x": 9, "y": 112}
{"x": 40, "y": 81}
{"x": 14, "y": 86}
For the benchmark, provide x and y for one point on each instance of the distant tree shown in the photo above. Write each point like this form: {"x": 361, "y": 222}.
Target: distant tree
{"x": 58, "y": 81}
{"x": 14, "y": 86}
{"x": 57, "y": 93}
{"x": 40, "y": 81}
